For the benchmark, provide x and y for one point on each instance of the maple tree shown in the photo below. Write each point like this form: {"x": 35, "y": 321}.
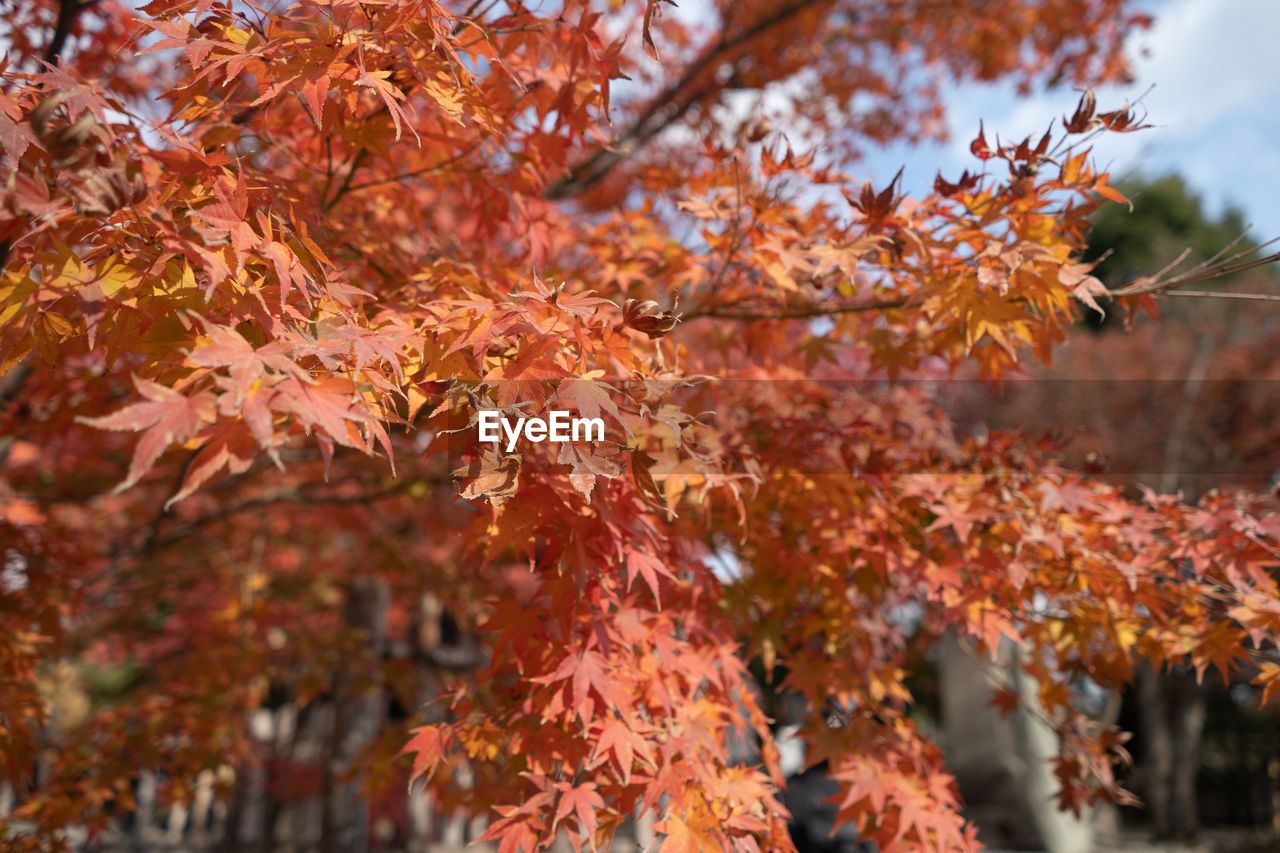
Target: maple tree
{"x": 263, "y": 265}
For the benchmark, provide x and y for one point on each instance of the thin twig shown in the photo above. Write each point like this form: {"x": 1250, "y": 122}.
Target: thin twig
{"x": 809, "y": 312}
{"x": 1222, "y": 263}
{"x": 345, "y": 186}
{"x": 181, "y": 531}
{"x": 1210, "y": 294}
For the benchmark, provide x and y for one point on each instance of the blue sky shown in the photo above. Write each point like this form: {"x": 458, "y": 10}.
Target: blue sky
{"x": 1215, "y": 68}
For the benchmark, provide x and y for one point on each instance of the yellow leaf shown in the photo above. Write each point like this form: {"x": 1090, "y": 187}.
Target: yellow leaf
{"x": 50, "y": 330}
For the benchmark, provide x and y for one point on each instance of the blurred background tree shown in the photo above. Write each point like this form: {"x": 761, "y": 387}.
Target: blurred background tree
{"x": 1186, "y": 404}
{"x": 1168, "y": 217}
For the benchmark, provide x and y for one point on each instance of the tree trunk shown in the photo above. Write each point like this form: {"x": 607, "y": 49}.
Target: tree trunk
{"x": 1157, "y": 758}
{"x": 1062, "y": 832}
{"x": 1187, "y": 725}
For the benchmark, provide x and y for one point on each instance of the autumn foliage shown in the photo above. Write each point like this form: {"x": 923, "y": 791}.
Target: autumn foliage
{"x": 263, "y": 263}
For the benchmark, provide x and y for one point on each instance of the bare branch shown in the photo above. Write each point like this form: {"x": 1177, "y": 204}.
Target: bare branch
{"x": 1220, "y": 265}
{"x": 1254, "y": 297}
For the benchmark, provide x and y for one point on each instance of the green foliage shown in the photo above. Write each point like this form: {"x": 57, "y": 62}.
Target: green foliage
{"x": 1167, "y": 217}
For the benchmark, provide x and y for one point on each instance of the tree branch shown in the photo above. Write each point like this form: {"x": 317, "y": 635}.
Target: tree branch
{"x": 356, "y": 161}
{"x": 155, "y": 540}
{"x": 807, "y": 313}
{"x": 1255, "y": 297}
{"x": 668, "y": 107}
{"x": 68, "y": 11}
{"x": 1219, "y": 266}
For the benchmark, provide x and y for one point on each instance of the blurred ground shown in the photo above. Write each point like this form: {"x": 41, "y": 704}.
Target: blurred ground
{"x": 1210, "y": 841}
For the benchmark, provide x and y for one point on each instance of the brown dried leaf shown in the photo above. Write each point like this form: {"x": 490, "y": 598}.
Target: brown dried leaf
{"x": 491, "y": 475}
{"x": 648, "y": 317}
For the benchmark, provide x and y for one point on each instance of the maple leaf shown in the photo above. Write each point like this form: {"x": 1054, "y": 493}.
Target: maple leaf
{"x": 1083, "y": 120}
{"x": 1006, "y": 701}
{"x": 324, "y": 404}
{"x": 430, "y": 744}
{"x": 577, "y": 304}
{"x": 166, "y": 416}
{"x": 624, "y": 743}
{"x": 231, "y": 206}
{"x": 230, "y": 446}
{"x": 515, "y": 832}
{"x": 589, "y": 397}
{"x": 313, "y": 95}
{"x": 582, "y": 801}
{"x": 948, "y": 515}
{"x": 681, "y": 837}
{"x": 228, "y": 348}
{"x": 587, "y": 463}
{"x": 1268, "y": 678}
{"x": 587, "y": 674}
{"x": 647, "y": 566}
{"x": 979, "y": 145}
{"x": 390, "y": 95}
{"x": 15, "y": 138}
{"x": 1071, "y": 497}
{"x": 1076, "y": 278}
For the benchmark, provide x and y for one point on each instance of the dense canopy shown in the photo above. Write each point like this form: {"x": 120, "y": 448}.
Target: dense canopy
{"x": 265, "y": 262}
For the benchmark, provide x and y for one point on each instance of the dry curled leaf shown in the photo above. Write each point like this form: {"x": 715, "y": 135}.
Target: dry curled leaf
{"x": 102, "y": 192}
{"x": 642, "y": 473}
{"x": 491, "y": 475}
{"x": 1083, "y": 119}
{"x": 649, "y": 317}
